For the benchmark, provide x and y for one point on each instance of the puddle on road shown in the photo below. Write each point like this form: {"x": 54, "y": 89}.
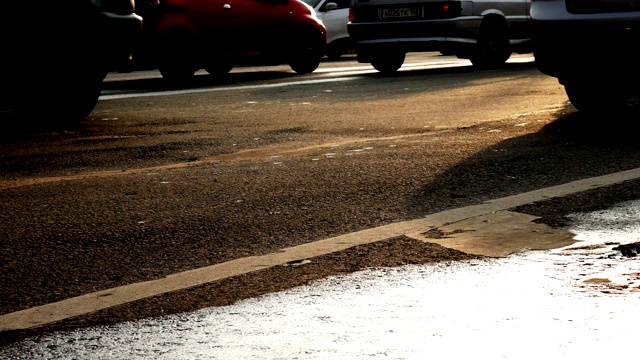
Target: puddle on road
{"x": 578, "y": 302}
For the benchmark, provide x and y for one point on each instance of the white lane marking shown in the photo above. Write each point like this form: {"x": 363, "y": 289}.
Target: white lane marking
{"x": 85, "y": 304}
{"x": 226, "y": 88}
{"x": 340, "y": 74}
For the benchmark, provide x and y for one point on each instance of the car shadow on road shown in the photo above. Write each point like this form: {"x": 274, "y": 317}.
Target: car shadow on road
{"x": 197, "y": 81}
{"x": 574, "y": 146}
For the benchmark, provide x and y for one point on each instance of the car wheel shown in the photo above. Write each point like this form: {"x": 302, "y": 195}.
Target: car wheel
{"x": 334, "y": 51}
{"x": 66, "y": 105}
{"x": 82, "y": 99}
{"x": 177, "y": 73}
{"x": 595, "y": 96}
{"x": 388, "y": 63}
{"x": 177, "y": 60}
{"x": 306, "y": 56}
{"x": 218, "y": 68}
{"x": 492, "y": 49}
{"x": 305, "y": 65}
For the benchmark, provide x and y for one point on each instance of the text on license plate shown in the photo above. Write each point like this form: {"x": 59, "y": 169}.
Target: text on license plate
{"x": 400, "y": 12}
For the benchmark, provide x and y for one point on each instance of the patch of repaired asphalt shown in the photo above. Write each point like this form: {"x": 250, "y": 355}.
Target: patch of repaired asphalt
{"x": 497, "y": 234}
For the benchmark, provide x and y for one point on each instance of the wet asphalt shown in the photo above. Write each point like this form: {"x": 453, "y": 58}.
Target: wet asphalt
{"x": 574, "y": 302}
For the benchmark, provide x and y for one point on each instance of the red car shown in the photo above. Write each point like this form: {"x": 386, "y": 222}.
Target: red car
{"x": 183, "y": 36}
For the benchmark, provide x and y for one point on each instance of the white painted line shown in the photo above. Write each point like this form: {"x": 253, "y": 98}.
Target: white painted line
{"x": 81, "y": 305}
{"x": 226, "y": 88}
{"x": 340, "y": 74}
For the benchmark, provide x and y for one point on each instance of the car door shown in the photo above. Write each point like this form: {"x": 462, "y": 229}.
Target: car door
{"x": 335, "y": 18}
{"x": 520, "y": 20}
{"x": 255, "y": 26}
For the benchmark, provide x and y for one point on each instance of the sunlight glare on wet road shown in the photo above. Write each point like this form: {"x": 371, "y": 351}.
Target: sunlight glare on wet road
{"x": 579, "y": 302}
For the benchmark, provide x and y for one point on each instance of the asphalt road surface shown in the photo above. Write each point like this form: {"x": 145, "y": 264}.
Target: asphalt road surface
{"x": 160, "y": 180}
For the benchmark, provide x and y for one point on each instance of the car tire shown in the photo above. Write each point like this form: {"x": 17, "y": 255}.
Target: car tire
{"x": 388, "y": 63}
{"x": 177, "y": 73}
{"x": 81, "y": 97}
{"x": 305, "y": 64}
{"x": 62, "y": 105}
{"x": 492, "y": 49}
{"x": 596, "y": 95}
{"x": 335, "y": 51}
{"x": 177, "y": 59}
{"x": 306, "y": 55}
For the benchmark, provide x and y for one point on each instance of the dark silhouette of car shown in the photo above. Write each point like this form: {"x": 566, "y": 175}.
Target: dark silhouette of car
{"x": 183, "y": 36}
{"x": 485, "y": 31}
{"x": 57, "y": 53}
{"x": 591, "y": 46}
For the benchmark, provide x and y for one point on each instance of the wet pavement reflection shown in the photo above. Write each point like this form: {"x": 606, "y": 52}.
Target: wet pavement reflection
{"x": 578, "y": 302}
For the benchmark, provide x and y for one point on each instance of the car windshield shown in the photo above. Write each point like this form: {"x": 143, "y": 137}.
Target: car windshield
{"x": 312, "y": 3}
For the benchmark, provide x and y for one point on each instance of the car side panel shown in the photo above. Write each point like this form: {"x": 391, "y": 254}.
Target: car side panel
{"x": 225, "y": 31}
{"x": 570, "y": 45}
{"x": 435, "y": 34}
{"x": 516, "y": 12}
{"x": 249, "y": 25}
{"x": 335, "y": 20}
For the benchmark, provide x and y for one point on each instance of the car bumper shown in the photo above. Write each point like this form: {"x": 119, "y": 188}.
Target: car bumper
{"x": 458, "y": 29}
{"x": 430, "y": 35}
{"x": 569, "y": 45}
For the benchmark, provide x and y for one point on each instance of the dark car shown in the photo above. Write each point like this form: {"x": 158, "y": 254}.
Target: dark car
{"x": 485, "y": 31}
{"x": 591, "y": 46}
{"x": 57, "y": 53}
{"x": 183, "y": 36}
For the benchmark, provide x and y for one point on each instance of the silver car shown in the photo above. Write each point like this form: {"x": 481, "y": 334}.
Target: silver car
{"x": 485, "y": 31}
{"x": 335, "y": 16}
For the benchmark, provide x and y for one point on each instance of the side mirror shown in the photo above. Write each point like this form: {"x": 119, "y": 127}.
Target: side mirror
{"x": 330, "y": 6}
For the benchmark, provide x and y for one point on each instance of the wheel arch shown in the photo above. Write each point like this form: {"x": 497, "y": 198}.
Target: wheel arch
{"x": 171, "y": 23}
{"x": 495, "y": 18}
{"x": 304, "y": 32}
{"x": 493, "y": 12}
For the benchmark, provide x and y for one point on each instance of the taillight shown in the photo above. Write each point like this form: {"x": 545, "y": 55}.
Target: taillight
{"x": 351, "y": 17}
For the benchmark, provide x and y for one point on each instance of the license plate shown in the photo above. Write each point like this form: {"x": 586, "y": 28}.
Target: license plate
{"x": 401, "y": 12}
